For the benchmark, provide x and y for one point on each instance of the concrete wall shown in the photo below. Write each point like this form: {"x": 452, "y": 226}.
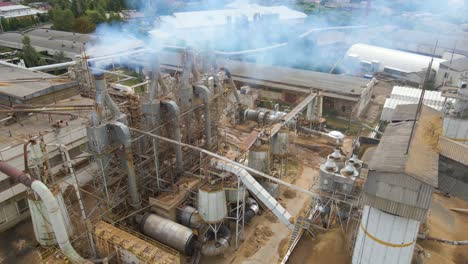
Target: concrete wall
{"x": 13, "y": 211}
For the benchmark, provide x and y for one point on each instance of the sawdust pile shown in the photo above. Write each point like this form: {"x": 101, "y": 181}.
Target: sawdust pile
{"x": 329, "y": 247}
{"x": 289, "y": 194}
{"x": 446, "y": 224}
{"x": 432, "y": 127}
{"x": 271, "y": 217}
{"x": 261, "y": 236}
{"x": 283, "y": 247}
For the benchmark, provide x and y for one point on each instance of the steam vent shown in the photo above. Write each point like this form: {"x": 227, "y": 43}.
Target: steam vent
{"x": 232, "y": 132}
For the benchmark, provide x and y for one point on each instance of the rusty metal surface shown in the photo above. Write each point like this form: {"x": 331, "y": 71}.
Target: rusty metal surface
{"x": 250, "y": 140}
{"x": 110, "y": 239}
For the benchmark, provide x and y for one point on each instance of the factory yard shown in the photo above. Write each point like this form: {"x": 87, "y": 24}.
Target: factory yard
{"x": 238, "y": 132}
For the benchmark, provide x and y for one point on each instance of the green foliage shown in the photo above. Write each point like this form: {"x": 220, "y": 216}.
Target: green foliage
{"x": 305, "y": 6}
{"x": 63, "y": 19}
{"x": 84, "y": 25}
{"x": 17, "y": 23}
{"x": 30, "y": 56}
{"x": 59, "y": 57}
{"x": 95, "y": 16}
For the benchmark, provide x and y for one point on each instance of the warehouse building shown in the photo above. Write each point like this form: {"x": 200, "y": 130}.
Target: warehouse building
{"x": 366, "y": 60}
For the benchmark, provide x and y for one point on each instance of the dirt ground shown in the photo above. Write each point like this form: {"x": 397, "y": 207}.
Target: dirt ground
{"x": 446, "y": 224}
{"x": 18, "y": 245}
{"x": 329, "y": 247}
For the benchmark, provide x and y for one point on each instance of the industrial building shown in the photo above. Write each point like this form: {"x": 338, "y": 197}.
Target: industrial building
{"x": 363, "y": 59}
{"x": 452, "y": 73}
{"x": 177, "y": 163}
{"x": 407, "y": 96}
{"x": 16, "y": 11}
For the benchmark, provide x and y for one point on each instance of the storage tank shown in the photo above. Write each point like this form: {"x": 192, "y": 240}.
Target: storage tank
{"x": 259, "y": 158}
{"x": 167, "y": 232}
{"x": 279, "y": 142}
{"x": 212, "y": 204}
{"x": 384, "y": 238}
{"x": 232, "y": 194}
{"x": 41, "y": 223}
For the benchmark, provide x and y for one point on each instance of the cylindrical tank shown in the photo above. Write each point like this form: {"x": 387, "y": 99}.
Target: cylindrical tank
{"x": 259, "y": 158}
{"x": 41, "y": 223}
{"x": 212, "y": 205}
{"x": 384, "y": 238}
{"x": 233, "y": 194}
{"x": 279, "y": 143}
{"x": 167, "y": 232}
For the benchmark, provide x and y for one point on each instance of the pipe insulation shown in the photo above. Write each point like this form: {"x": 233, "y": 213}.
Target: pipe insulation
{"x": 167, "y": 232}
{"x": 204, "y": 93}
{"x": 53, "y": 210}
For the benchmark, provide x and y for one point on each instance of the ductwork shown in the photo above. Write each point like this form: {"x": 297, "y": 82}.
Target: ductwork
{"x": 217, "y": 246}
{"x": 252, "y": 209}
{"x": 174, "y": 112}
{"x": 232, "y": 84}
{"x": 121, "y": 134}
{"x": 53, "y": 210}
{"x": 103, "y": 98}
{"x": 204, "y": 93}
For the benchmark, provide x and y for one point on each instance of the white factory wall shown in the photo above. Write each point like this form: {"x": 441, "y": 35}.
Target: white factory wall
{"x": 451, "y": 77}
{"x": 456, "y": 129}
{"x": 384, "y": 238}
{"x": 18, "y": 11}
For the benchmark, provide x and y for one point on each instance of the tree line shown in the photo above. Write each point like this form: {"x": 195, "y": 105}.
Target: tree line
{"x": 83, "y": 16}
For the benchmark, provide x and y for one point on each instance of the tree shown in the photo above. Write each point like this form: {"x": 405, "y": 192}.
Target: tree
{"x": 95, "y": 16}
{"x": 29, "y": 55}
{"x": 5, "y": 24}
{"x": 59, "y": 57}
{"x": 84, "y": 25}
{"x": 63, "y": 19}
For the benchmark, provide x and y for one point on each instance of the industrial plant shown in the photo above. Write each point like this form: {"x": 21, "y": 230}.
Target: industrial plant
{"x": 173, "y": 154}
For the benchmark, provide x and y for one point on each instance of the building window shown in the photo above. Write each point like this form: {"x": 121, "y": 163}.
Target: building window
{"x": 22, "y": 205}
{"x": 343, "y": 109}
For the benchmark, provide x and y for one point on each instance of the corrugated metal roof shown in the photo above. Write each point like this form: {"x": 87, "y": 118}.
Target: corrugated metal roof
{"x": 422, "y": 160}
{"x": 454, "y": 150}
{"x": 453, "y": 186}
{"x": 396, "y": 193}
{"x": 407, "y": 95}
{"x": 457, "y": 65}
{"x": 453, "y": 176}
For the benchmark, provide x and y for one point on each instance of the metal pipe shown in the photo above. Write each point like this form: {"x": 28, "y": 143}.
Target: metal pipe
{"x": 174, "y": 113}
{"x": 122, "y": 135}
{"x": 228, "y": 161}
{"x": 103, "y": 97}
{"x": 203, "y": 92}
{"x": 232, "y": 84}
{"x": 53, "y": 210}
{"x": 66, "y": 157}
{"x": 218, "y": 246}
{"x": 167, "y": 232}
